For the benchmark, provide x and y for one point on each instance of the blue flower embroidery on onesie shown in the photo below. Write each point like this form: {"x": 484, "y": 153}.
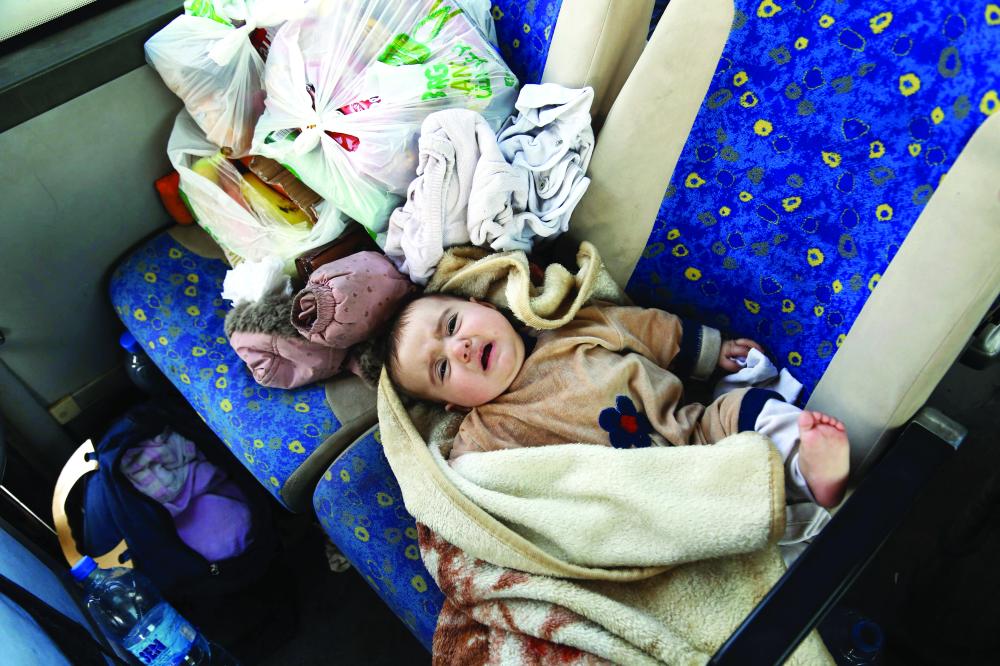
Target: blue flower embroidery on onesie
{"x": 627, "y": 428}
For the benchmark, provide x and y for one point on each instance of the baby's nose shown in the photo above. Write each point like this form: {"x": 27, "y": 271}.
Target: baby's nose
{"x": 462, "y": 349}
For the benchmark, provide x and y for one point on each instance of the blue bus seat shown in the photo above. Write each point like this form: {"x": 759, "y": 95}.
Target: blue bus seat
{"x": 167, "y": 293}
{"x": 360, "y": 507}
{"x": 825, "y": 130}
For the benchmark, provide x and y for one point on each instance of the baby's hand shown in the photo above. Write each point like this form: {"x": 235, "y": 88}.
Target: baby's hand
{"x": 733, "y": 349}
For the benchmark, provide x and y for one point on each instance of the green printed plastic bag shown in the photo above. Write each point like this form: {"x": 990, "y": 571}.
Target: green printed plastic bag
{"x": 344, "y": 113}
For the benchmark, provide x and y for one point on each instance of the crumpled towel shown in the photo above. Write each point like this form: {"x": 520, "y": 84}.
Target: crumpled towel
{"x": 504, "y": 279}
{"x": 552, "y": 140}
{"x": 501, "y": 191}
{"x": 348, "y": 299}
{"x": 210, "y": 512}
{"x": 452, "y": 145}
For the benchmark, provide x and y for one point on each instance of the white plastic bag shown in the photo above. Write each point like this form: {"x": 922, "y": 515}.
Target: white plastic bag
{"x": 349, "y": 86}
{"x": 232, "y": 210}
{"x": 206, "y": 58}
{"x": 480, "y": 13}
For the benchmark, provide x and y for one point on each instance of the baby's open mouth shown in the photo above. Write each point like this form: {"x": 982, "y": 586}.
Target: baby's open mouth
{"x": 487, "y": 350}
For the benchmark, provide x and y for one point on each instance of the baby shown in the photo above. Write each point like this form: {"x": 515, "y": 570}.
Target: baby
{"x": 611, "y": 376}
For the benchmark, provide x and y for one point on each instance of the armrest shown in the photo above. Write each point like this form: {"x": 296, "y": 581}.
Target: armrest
{"x": 353, "y": 405}
{"x": 821, "y": 575}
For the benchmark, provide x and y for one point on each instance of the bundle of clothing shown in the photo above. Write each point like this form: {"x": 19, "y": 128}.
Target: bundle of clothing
{"x": 499, "y": 190}
{"x": 339, "y": 117}
{"x": 210, "y": 511}
{"x": 343, "y": 112}
{"x": 289, "y": 340}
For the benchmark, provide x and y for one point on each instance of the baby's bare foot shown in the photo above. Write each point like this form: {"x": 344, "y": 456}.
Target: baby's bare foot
{"x": 824, "y": 456}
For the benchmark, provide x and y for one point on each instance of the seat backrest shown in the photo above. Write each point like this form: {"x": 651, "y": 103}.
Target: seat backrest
{"x": 807, "y": 164}
{"x": 810, "y": 160}
{"x": 575, "y": 43}
{"x": 360, "y": 506}
{"x": 524, "y": 35}
{"x": 765, "y": 191}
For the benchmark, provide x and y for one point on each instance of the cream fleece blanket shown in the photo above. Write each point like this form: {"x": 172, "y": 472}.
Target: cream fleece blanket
{"x": 658, "y": 554}
{"x": 663, "y": 550}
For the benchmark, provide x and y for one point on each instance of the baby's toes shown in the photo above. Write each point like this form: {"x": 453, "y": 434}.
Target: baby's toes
{"x": 832, "y": 422}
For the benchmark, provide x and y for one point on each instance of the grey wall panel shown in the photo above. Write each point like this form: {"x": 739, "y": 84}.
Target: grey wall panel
{"x": 75, "y": 193}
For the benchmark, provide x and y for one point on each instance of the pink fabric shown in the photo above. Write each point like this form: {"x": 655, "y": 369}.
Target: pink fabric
{"x": 281, "y": 362}
{"x": 210, "y": 511}
{"x": 346, "y": 300}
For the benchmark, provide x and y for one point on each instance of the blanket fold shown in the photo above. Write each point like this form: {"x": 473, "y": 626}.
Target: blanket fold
{"x": 504, "y": 279}
{"x": 650, "y": 507}
{"x": 495, "y": 615}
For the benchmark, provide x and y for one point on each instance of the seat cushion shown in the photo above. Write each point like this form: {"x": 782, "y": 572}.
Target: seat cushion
{"x": 168, "y": 297}
{"x": 360, "y": 507}
{"x": 808, "y": 163}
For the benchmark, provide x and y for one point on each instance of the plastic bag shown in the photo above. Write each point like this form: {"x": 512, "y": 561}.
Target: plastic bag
{"x": 207, "y": 57}
{"x": 480, "y": 13}
{"x": 349, "y": 86}
{"x": 239, "y": 211}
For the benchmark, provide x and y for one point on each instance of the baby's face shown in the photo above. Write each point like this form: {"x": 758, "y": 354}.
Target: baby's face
{"x": 457, "y": 352}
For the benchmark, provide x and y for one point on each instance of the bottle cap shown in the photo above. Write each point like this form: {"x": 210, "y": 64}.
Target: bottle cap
{"x": 867, "y": 636}
{"x": 128, "y": 342}
{"x": 82, "y": 568}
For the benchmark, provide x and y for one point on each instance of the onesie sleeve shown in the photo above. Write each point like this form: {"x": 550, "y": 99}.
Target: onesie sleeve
{"x": 686, "y": 348}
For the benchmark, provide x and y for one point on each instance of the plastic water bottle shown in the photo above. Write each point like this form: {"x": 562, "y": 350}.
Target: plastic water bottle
{"x": 130, "y": 611}
{"x": 141, "y": 369}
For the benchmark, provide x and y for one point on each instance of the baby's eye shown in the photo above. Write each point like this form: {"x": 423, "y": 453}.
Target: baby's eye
{"x": 452, "y": 323}
{"x": 441, "y": 369}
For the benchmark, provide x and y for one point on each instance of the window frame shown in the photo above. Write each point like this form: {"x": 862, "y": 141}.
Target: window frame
{"x": 42, "y": 72}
